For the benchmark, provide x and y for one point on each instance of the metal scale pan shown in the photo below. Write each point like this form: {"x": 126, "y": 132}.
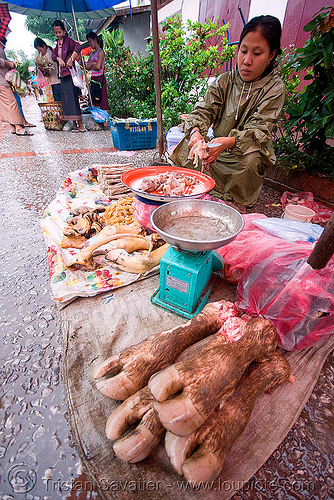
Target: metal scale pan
{"x": 194, "y": 228}
{"x": 197, "y": 225}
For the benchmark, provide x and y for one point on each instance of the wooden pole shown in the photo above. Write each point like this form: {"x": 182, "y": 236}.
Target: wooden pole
{"x": 83, "y": 62}
{"x": 157, "y": 77}
{"x": 324, "y": 248}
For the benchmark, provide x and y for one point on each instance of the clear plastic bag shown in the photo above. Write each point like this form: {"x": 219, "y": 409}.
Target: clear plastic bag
{"x": 250, "y": 246}
{"x": 13, "y": 77}
{"x": 77, "y": 76}
{"x": 298, "y": 300}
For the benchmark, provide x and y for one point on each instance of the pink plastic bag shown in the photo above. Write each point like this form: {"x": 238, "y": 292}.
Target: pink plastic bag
{"x": 40, "y": 79}
{"x": 298, "y": 300}
{"x": 322, "y": 213}
{"x": 250, "y": 246}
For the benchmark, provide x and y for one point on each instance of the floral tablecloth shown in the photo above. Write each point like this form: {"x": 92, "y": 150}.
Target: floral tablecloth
{"x": 80, "y": 188}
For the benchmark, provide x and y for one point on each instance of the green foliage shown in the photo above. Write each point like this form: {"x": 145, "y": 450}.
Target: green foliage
{"x": 114, "y": 44}
{"x": 190, "y": 53}
{"x": 23, "y": 70}
{"x": 308, "y": 120}
{"x": 290, "y": 155}
{"x": 129, "y": 80}
{"x": 21, "y": 61}
{"x": 42, "y": 27}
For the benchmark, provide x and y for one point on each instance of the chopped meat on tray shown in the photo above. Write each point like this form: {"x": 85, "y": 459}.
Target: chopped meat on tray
{"x": 167, "y": 184}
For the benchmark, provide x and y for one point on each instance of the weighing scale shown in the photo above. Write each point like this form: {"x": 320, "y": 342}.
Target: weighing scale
{"x": 188, "y": 269}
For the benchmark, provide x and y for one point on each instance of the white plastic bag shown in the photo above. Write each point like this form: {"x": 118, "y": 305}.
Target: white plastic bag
{"x": 77, "y": 76}
{"x": 290, "y": 230}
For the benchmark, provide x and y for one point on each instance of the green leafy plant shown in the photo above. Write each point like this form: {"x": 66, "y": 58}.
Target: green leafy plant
{"x": 308, "y": 120}
{"x": 129, "y": 80}
{"x": 114, "y": 44}
{"x": 291, "y": 156}
{"x": 23, "y": 70}
{"x": 190, "y": 54}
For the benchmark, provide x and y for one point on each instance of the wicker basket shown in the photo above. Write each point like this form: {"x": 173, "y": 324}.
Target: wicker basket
{"x": 52, "y": 115}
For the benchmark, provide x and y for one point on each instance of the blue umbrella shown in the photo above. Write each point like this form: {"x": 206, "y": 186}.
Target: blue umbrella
{"x": 88, "y": 9}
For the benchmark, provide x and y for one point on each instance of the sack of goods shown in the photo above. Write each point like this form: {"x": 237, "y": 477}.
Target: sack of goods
{"x": 13, "y": 77}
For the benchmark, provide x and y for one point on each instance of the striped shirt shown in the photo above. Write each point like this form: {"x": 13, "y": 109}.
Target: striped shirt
{"x": 93, "y": 59}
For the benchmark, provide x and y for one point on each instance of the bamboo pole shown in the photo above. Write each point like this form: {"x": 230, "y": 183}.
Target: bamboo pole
{"x": 157, "y": 72}
{"x": 83, "y": 62}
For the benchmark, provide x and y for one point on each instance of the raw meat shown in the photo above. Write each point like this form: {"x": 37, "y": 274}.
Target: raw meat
{"x": 167, "y": 184}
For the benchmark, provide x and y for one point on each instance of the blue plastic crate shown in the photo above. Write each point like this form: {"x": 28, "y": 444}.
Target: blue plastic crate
{"x": 141, "y": 134}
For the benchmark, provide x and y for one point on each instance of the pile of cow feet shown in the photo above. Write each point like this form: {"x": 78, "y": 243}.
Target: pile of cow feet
{"x": 198, "y": 381}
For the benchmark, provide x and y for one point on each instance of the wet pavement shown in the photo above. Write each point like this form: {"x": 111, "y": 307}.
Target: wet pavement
{"x": 38, "y": 459}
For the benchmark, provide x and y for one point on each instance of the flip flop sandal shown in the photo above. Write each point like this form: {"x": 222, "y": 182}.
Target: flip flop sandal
{"x": 75, "y": 130}
{"x": 25, "y": 133}
{"x": 82, "y": 131}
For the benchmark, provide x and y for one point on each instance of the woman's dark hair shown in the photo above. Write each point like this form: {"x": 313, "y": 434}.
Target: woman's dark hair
{"x": 60, "y": 24}
{"x": 271, "y": 30}
{"x": 94, "y": 36}
{"x": 39, "y": 43}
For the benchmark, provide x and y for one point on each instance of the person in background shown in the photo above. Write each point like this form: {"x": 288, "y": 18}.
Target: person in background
{"x": 48, "y": 67}
{"x": 19, "y": 103}
{"x": 9, "y": 110}
{"x": 243, "y": 106}
{"x": 35, "y": 87}
{"x": 95, "y": 63}
{"x": 65, "y": 54}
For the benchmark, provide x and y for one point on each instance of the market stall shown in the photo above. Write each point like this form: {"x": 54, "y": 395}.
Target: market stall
{"x": 115, "y": 311}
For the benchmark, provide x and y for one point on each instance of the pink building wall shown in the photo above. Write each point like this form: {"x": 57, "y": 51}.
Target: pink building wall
{"x": 297, "y": 14}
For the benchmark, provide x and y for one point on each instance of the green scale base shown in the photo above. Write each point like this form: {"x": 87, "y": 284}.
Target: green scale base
{"x": 186, "y": 281}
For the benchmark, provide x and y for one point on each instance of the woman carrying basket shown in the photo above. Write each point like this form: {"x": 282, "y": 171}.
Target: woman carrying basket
{"x": 48, "y": 67}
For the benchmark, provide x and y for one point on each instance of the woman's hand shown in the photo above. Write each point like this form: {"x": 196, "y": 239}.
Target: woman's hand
{"x": 194, "y": 138}
{"x": 10, "y": 64}
{"x": 222, "y": 143}
{"x": 61, "y": 62}
{"x": 71, "y": 60}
